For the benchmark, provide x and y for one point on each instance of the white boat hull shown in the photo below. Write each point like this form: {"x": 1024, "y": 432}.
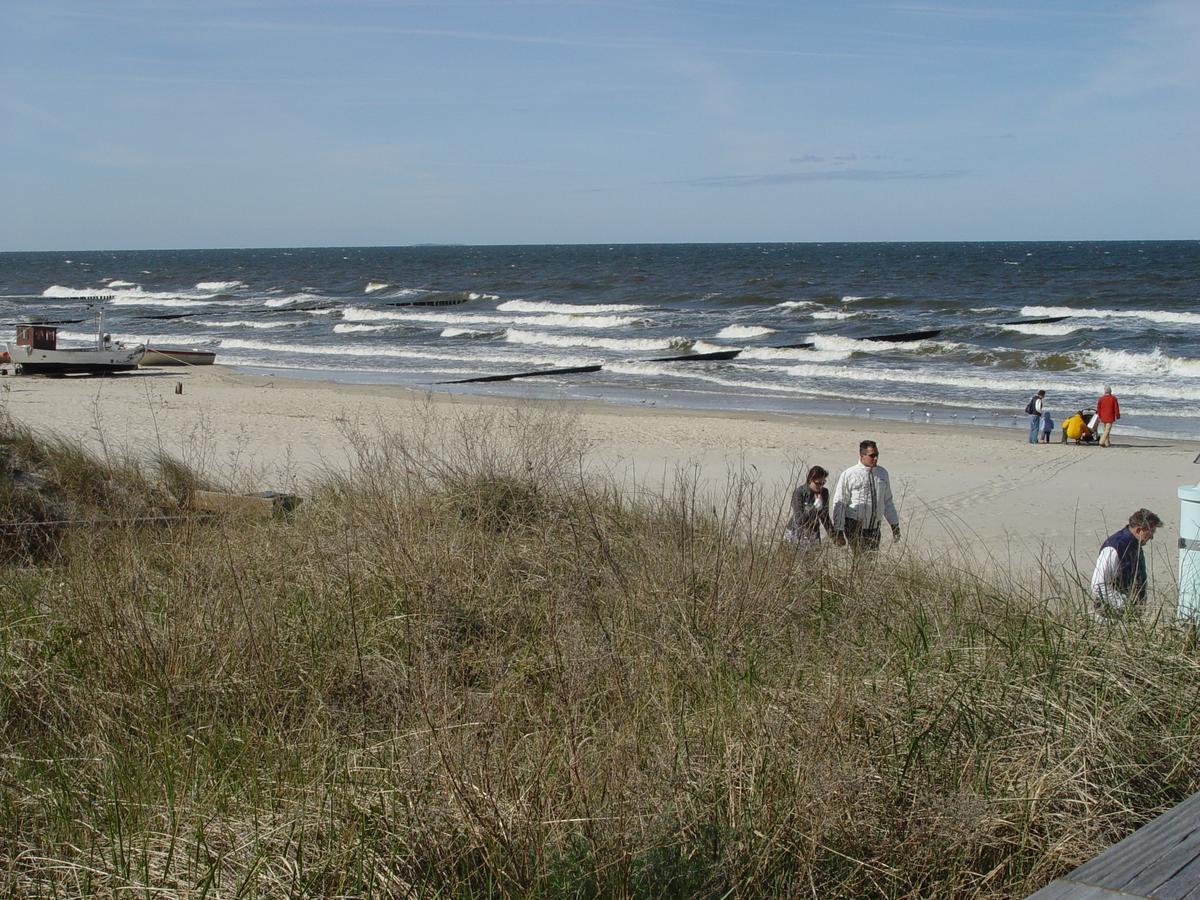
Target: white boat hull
{"x": 72, "y": 361}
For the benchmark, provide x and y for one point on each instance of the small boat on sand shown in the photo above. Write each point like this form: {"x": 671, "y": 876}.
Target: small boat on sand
{"x": 36, "y": 352}
{"x": 174, "y": 356}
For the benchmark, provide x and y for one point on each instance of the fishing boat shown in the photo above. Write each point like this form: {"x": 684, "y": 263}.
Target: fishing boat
{"x": 173, "y": 356}
{"x": 36, "y": 352}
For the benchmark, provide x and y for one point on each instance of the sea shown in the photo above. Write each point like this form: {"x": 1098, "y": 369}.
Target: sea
{"x": 819, "y": 327}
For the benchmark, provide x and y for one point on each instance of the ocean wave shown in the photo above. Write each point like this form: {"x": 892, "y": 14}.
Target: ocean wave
{"x": 291, "y": 299}
{"x": 470, "y": 333}
{"x": 621, "y": 345}
{"x": 362, "y": 314}
{"x": 1045, "y": 329}
{"x": 118, "y": 283}
{"x": 128, "y": 296}
{"x": 60, "y": 292}
{"x": 536, "y": 306}
{"x": 373, "y": 286}
{"x": 218, "y": 286}
{"x": 1126, "y": 362}
{"x": 344, "y": 350}
{"x": 835, "y": 314}
{"x": 246, "y": 323}
{"x": 744, "y": 331}
{"x": 796, "y": 304}
{"x": 794, "y": 353}
{"x": 856, "y": 345}
{"x": 343, "y": 328}
{"x": 1163, "y": 317}
{"x": 472, "y": 295}
{"x": 992, "y": 383}
{"x": 138, "y": 298}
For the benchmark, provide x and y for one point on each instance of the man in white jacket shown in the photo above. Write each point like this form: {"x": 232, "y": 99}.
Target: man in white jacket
{"x": 862, "y": 500}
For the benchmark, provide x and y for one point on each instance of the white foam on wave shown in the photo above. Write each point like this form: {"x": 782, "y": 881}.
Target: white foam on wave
{"x": 218, "y": 286}
{"x": 622, "y": 345}
{"x": 362, "y": 314}
{"x": 59, "y": 291}
{"x": 1044, "y": 329}
{"x": 795, "y": 353}
{"x": 344, "y": 350}
{"x": 302, "y": 297}
{"x": 246, "y": 323}
{"x": 852, "y": 298}
{"x": 1163, "y": 317}
{"x": 373, "y": 286}
{"x": 453, "y": 332}
{"x": 570, "y": 309}
{"x": 344, "y": 328}
{"x": 1015, "y": 382}
{"x": 118, "y": 283}
{"x": 795, "y": 304}
{"x": 834, "y": 314}
{"x": 140, "y": 298}
{"x": 477, "y": 296}
{"x": 1125, "y": 362}
{"x": 745, "y": 331}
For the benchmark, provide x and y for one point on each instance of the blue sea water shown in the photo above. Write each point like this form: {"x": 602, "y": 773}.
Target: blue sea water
{"x": 1132, "y": 320}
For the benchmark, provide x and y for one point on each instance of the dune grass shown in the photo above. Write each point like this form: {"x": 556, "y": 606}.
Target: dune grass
{"x": 462, "y": 669}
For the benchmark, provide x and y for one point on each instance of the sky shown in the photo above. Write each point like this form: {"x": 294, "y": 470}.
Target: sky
{"x": 140, "y": 124}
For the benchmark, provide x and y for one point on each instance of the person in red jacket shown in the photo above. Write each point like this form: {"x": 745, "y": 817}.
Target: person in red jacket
{"x": 1109, "y": 410}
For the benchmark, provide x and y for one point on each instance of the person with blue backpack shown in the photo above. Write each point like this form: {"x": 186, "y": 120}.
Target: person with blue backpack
{"x": 1034, "y": 409}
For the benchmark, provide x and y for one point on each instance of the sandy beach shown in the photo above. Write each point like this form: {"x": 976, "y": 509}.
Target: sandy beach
{"x": 980, "y": 496}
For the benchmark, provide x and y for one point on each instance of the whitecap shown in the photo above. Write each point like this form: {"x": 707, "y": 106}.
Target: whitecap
{"x": 218, "y": 286}
{"x": 373, "y": 286}
{"x": 302, "y": 297}
{"x": 350, "y": 350}
{"x": 1164, "y": 317}
{"x": 246, "y": 323}
{"x": 1126, "y": 362}
{"x": 537, "y": 306}
{"x": 362, "y": 314}
{"x": 624, "y": 345}
{"x": 834, "y": 314}
{"x": 744, "y": 331}
{"x": 1044, "y": 329}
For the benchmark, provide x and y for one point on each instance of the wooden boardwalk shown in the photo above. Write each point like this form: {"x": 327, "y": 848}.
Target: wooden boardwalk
{"x": 1160, "y": 860}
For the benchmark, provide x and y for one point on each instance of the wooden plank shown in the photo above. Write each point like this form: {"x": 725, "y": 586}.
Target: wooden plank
{"x": 1071, "y": 890}
{"x": 1148, "y": 876}
{"x": 1183, "y": 883}
{"x": 1146, "y": 845}
{"x": 1159, "y": 860}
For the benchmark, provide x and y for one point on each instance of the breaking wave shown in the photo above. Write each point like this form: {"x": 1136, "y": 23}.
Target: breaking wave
{"x": 744, "y": 331}
{"x": 622, "y": 345}
{"x": 1163, "y": 317}
{"x": 537, "y": 306}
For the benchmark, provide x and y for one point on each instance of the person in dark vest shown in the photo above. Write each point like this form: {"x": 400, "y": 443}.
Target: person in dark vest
{"x": 1119, "y": 580}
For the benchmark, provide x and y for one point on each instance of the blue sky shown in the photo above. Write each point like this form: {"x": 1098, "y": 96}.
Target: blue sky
{"x": 233, "y": 123}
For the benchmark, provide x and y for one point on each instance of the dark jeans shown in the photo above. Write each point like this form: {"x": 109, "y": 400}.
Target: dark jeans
{"x": 860, "y": 538}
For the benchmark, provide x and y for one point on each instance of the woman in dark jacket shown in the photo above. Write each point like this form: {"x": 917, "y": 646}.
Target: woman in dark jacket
{"x": 810, "y": 509}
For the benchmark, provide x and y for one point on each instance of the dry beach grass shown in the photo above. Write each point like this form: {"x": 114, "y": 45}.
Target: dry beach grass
{"x": 466, "y": 666}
